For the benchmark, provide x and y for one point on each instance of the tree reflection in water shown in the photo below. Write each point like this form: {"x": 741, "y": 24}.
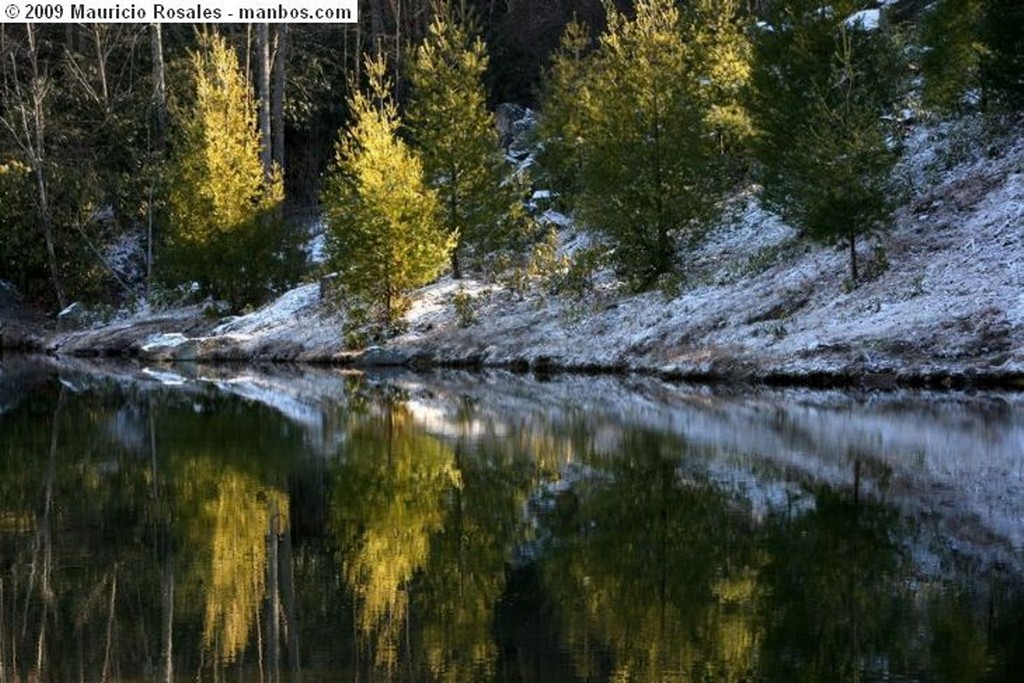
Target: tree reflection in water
{"x": 388, "y": 501}
{"x": 170, "y": 534}
{"x": 653, "y": 569}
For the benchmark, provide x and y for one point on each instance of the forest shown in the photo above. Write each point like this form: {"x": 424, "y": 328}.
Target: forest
{"x": 157, "y": 164}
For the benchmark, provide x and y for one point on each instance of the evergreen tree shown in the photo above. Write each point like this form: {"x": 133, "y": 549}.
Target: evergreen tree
{"x": 459, "y": 143}
{"x": 722, "y": 54}
{"x": 1002, "y": 62}
{"x": 973, "y": 45}
{"x": 562, "y": 123}
{"x": 226, "y": 230}
{"x": 951, "y": 52}
{"x": 649, "y": 167}
{"x": 822, "y": 87}
{"x": 385, "y": 236}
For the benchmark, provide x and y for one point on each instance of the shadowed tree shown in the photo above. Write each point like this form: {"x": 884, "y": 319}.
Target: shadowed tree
{"x": 458, "y": 140}
{"x": 822, "y": 88}
{"x": 649, "y": 166}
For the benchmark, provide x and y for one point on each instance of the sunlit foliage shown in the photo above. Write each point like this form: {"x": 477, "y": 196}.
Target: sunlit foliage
{"x": 385, "y": 237}
{"x": 226, "y": 231}
{"x": 227, "y": 535}
{"x": 649, "y": 168}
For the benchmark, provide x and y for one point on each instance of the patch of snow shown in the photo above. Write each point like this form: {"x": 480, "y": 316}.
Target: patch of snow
{"x": 316, "y": 247}
{"x": 167, "y": 340}
{"x": 69, "y": 385}
{"x": 71, "y": 309}
{"x": 290, "y": 306}
{"x": 432, "y": 308}
{"x": 866, "y": 20}
{"x": 557, "y": 219}
{"x": 127, "y": 257}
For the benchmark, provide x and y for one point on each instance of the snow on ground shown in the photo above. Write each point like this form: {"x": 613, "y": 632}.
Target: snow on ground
{"x": 866, "y": 19}
{"x": 289, "y": 306}
{"x": 941, "y": 294}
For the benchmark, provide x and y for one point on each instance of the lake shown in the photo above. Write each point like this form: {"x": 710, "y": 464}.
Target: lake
{"x": 285, "y": 524}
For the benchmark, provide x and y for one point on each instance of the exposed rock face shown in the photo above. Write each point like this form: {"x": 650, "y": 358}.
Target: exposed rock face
{"x": 516, "y": 125}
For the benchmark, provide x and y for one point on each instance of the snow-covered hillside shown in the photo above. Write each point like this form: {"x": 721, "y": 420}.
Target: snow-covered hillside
{"x": 942, "y": 299}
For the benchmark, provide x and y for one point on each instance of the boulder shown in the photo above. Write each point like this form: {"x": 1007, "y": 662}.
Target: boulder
{"x": 172, "y": 346}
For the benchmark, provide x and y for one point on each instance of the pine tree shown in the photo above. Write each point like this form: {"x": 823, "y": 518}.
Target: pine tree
{"x": 650, "y": 170}
{"x": 224, "y": 215}
{"x": 561, "y": 124}
{"x": 722, "y": 54}
{"x": 973, "y": 45}
{"x": 822, "y": 89}
{"x": 458, "y": 140}
{"x": 384, "y": 234}
{"x": 1001, "y": 32}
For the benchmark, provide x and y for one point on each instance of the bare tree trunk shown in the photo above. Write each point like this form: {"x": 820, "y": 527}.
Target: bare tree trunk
{"x": 277, "y": 102}
{"x": 156, "y": 45}
{"x": 167, "y": 571}
{"x": 263, "y": 95}
{"x": 29, "y": 131}
{"x": 3, "y": 636}
{"x": 110, "y": 628}
{"x": 396, "y": 12}
{"x": 291, "y": 619}
{"x": 167, "y": 634}
{"x": 853, "y": 259}
{"x": 159, "y": 119}
{"x": 101, "y": 65}
{"x": 43, "y": 554}
{"x": 377, "y": 27}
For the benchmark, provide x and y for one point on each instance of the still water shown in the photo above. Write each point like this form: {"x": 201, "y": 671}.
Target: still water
{"x": 239, "y": 525}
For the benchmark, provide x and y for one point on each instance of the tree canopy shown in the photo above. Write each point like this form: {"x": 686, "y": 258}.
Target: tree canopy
{"x": 383, "y": 218}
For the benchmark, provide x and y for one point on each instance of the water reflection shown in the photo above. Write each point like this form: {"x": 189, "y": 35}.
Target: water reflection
{"x": 456, "y": 528}
{"x": 388, "y": 503}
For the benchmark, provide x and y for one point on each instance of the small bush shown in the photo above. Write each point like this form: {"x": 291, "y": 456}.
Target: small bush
{"x": 465, "y": 310}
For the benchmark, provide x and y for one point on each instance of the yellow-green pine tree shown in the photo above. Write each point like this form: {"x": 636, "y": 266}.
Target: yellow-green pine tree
{"x": 721, "y": 57}
{"x": 457, "y": 137}
{"x": 224, "y": 231}
{"x": 385, "y": 238}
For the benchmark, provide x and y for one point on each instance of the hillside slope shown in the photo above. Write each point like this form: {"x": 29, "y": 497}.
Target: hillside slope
{"x": 943, "y": 299}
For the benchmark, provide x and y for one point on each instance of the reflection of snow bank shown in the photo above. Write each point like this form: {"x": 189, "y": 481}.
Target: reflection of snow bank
{"x": 955, "y": 459}
{"x": 164, "y": 376}
{"x": 953, "y": 462}
{"x": 301, "y": 410}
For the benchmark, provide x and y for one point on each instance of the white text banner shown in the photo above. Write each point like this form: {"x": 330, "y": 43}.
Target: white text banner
{"x": 180, "y": 12}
